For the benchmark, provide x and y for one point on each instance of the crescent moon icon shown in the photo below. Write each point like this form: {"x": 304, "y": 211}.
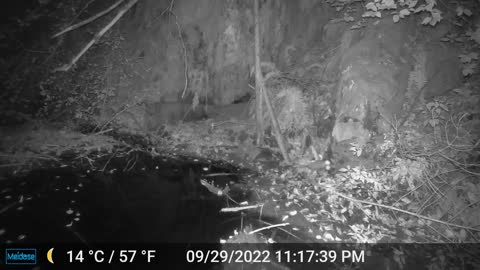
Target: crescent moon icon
{"x": 49, "y": 255}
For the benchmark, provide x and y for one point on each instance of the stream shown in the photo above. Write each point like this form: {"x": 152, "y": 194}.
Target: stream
{"x": 135, "y": 198}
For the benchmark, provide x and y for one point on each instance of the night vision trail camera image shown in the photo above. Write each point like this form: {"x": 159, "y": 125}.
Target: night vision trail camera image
{"x": 240, "y": 134}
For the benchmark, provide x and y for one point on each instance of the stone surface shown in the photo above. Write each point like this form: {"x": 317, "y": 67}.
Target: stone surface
{"x": 374, "y": 71}
{"x": 370, "y": 67}
{"x": 443, "y": 69}
{"x": 218, "y": 39}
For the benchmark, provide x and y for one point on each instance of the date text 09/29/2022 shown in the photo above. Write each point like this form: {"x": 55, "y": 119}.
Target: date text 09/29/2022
{"x": 204, "y": 256}
{"x": 279, "y": 256}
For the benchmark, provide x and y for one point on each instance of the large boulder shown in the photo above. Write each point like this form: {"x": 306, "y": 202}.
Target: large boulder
{"x": 381, "y": 67}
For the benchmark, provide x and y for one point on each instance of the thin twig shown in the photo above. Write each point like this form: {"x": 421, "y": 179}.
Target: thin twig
{"x": 463, "y": 209}
{"x": 103, "y": 131}
{"x": 11, "y": 164}
{"x": 30, "y": 156}
{"x": 80, "y": 237}
{"x": 405, "y": 212}
{"x": 441, "y": 234}
{"x": 134, "y": 163}
{"x": 459, "y": 165}
{"x": 5, "y": 209}
{"x": 108, "y": 161}
{"x": 237, "y": 209}
{"x": 259, "y": 81}
{"x": 287, "y": 232}
{"x": 87, "y": 21}
{"x": 97, "y": 36}
{"x": 80, "y": 12}
{"x": 269, "y": 227}
{"x": 219, "y": 174}
{"x": 184, "y": 52}
{"x": 127, "y": 107}
{"x": 408, "y": 193}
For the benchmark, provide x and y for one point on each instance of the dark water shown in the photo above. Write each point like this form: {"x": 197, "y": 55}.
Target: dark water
{"x": 157, "y": 200}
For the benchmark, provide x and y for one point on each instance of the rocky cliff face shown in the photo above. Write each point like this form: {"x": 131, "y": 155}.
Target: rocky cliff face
{"x": 202, "y": 52}
{"x": 213, "y": 40}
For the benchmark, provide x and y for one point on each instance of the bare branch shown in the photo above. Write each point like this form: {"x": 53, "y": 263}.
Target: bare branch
{"x": 258, "y": 79}
{"x": 87, "y": 21}
{"x": 66, "y": 67}
{"x": 406, "y": 212}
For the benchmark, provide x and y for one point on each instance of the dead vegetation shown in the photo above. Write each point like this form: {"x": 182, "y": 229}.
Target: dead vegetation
{"x": 35, "y": 144}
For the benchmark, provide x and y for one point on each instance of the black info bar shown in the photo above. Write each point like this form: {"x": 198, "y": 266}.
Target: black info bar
{"x": 239, "y": 256}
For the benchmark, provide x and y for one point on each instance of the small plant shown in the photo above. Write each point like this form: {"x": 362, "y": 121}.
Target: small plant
{"x": 356, "y": 149}
{"x": 462, "y": 11}
{"x": 388, "y": 146}
{"x": 475, "y": 36}
{"x": 409, "y": 172}
{"x": 436, "y": 108}
{"x": 404, "y": 8}
{"x": 469, "y": 62}
{"x": 399, "y": 9}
